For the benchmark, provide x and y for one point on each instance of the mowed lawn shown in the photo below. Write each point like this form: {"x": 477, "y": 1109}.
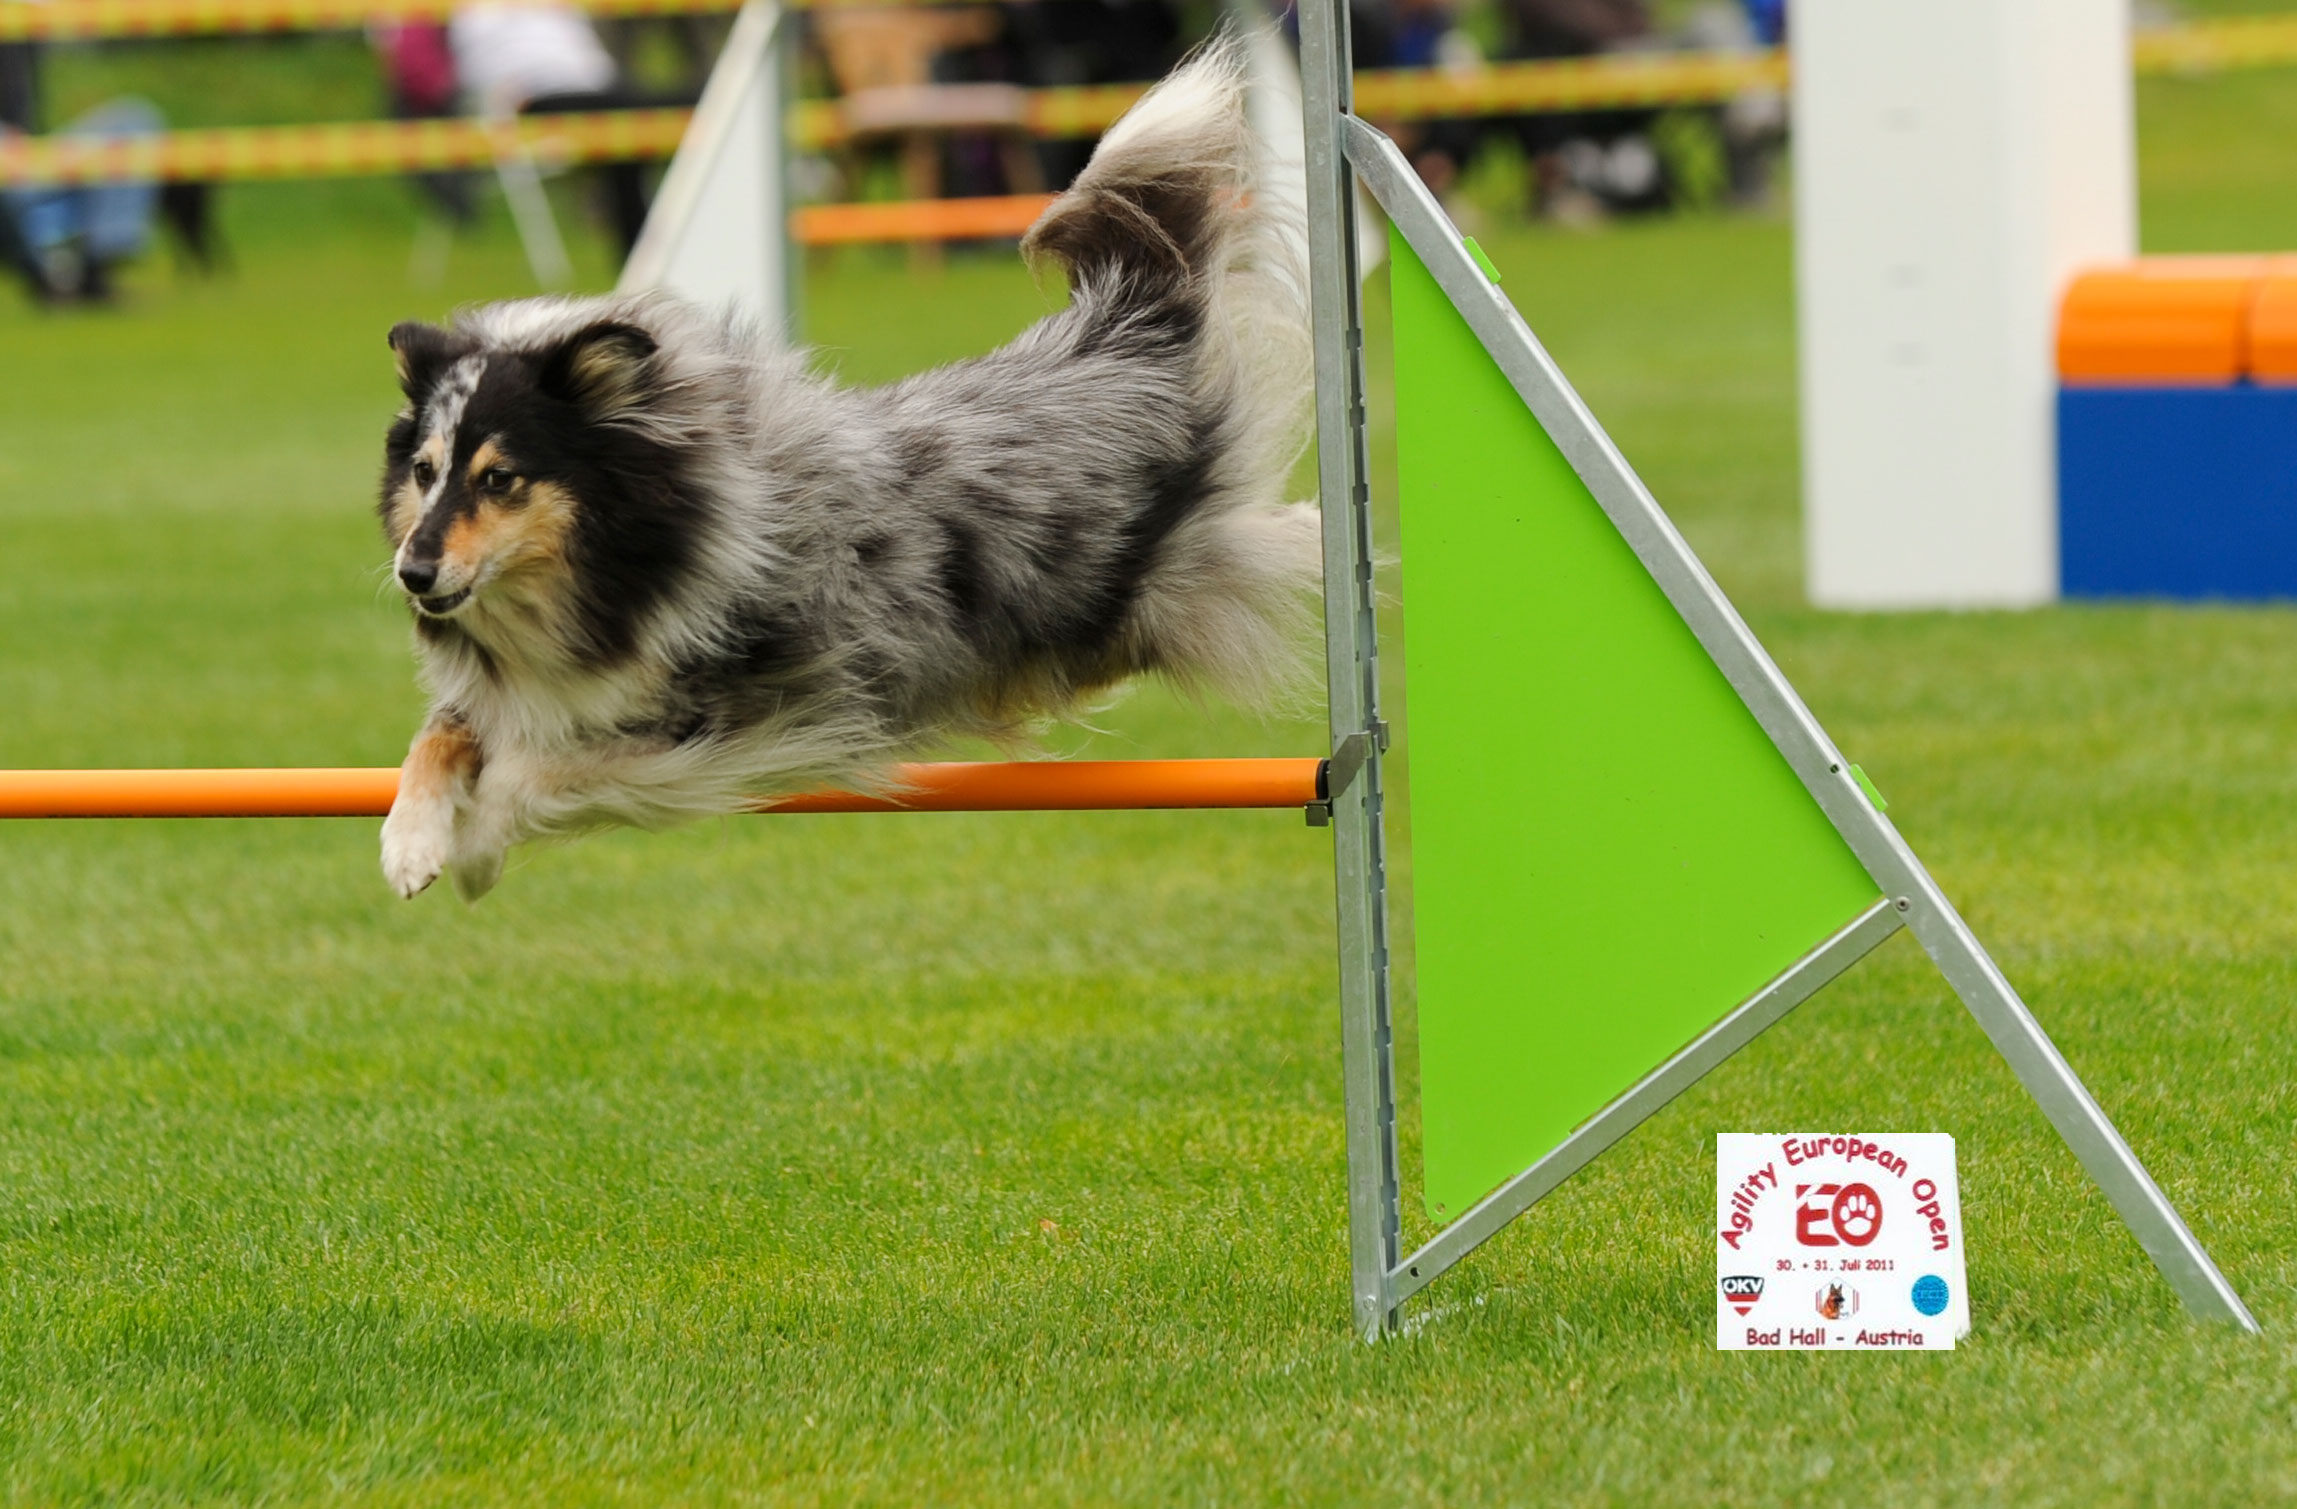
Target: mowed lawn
{"x": 986, "y": 1158}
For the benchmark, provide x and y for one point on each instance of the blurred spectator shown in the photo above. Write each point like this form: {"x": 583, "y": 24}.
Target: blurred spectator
{"x": 1753, "y": 123}
{"x": 544, "y": 59}
{"x": 1570, "y": 28}
{"x": 1425, "y": 34}
{"x": 1069, "y": 43}
{"x": 418, "y": 67}
{"x": 20, "y": 85}
{"x": 1584, "y": 163}
{"x": 508, "y": 57}
{"x": 419, "y": 78}
{"x": 65, "y": 240}
{"x": 1420, "y": 32}
{"x": 1411, "y": 34}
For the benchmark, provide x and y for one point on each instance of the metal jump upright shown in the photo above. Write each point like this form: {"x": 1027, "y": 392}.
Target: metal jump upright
{"x": 1506, "y": 1122}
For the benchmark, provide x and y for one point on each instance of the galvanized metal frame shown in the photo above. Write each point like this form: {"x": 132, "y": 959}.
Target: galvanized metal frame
{"x": 1336, "y": 142}
{"x": 1352, "y": 665}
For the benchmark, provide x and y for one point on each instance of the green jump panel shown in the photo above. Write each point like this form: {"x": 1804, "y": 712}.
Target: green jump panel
{"x": 1608, "y": 852}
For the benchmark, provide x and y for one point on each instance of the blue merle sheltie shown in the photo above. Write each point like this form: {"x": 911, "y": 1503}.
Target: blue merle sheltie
{"x": 659, "y": 568}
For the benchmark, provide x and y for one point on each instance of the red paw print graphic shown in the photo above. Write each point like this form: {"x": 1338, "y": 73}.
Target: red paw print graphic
{"x": 1857, "y": 1215}
{"x": 1853, "y": 1219}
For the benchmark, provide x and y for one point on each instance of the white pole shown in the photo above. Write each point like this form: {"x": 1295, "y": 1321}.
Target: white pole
{"x": 1955, "y": 162}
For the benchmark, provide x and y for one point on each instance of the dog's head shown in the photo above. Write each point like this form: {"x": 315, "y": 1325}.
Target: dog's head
{"x": 501, "y": 453}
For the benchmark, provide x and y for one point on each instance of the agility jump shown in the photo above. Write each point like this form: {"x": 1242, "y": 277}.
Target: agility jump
{"x": 1636, "y": 848}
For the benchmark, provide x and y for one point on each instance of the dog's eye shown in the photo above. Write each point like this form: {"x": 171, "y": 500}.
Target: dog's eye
{"x": 425, "y": 473}
{"x": 497, "y": 479}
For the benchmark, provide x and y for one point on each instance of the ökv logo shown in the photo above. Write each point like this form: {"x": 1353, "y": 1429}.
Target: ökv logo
{"x": 1742, "y": 1290}
{"x": 1837, "y": 1215}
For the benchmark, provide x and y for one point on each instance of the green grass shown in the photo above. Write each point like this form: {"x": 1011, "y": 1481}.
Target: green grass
{"x": 991, "y": 1158}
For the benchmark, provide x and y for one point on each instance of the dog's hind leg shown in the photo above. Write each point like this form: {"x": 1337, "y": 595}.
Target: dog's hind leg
{"x": 496, "y": 813}
{"x": 521, "y": 795}
{"x": 419, "y": 834}
{"x": 478, "y": 857}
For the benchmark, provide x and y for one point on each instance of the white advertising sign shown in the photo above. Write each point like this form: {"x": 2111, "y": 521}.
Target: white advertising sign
{"x": 1833, "y": 1242}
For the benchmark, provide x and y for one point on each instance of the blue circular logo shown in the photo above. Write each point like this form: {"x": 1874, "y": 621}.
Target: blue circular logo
{"x": 1930, "y": 1294}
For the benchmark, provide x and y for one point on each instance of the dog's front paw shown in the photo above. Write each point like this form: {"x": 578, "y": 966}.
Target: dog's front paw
{"x": 415, "y": 851}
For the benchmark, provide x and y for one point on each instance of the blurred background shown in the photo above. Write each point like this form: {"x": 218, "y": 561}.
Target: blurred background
{"x": 1642, "y": 215}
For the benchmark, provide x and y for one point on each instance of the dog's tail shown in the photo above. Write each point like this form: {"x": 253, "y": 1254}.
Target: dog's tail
{"x": 1188, "y": 229}
{"x": 1152, "y": 213}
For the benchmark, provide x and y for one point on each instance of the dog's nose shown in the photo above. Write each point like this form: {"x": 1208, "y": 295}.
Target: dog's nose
{"x": 418, "y": 577}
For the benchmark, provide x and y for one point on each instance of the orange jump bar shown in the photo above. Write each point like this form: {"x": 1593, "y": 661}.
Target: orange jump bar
{"x": 917, "y": 220}
{"x": 1018, "y": 786}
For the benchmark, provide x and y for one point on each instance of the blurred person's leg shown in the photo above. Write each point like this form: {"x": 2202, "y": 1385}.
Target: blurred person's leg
{"x": 20, "y": 102}
{"x": 187, "y": 207}
{"x": 38, "y": 239}
{"x": 45, "y": 217}
{"x": 448, "y": 190}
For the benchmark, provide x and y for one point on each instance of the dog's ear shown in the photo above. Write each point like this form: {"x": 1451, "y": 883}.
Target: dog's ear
{"x": 602, "y": 369}
{"x": 423, "y": 352}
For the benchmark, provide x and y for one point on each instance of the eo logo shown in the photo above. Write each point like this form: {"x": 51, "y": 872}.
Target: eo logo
{"x": 1846, "y": 1214}
{"x": 1742, "y": 1290}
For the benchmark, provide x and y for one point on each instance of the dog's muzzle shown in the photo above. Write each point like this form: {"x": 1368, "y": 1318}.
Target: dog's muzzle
{"x": 418, "y": 578}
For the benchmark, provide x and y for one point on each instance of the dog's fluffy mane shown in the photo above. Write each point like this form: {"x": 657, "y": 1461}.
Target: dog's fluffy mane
{"x": 776, "y": 581}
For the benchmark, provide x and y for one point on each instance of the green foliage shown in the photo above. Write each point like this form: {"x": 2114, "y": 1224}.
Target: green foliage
{"x": 955, "y": 1158}
{"x": 1690, "y": 144}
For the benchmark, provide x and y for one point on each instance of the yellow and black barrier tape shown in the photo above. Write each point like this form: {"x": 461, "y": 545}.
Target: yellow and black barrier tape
{"x": 341, "y": 151}
{"x": 75, "y": 20}
{"x": 81, "y": 20}
{"x": 366, "y": 147}
{"x": 60, "y": 20}
{"x": 1620, "y": 81}
{"x": 2209, "y": 45}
